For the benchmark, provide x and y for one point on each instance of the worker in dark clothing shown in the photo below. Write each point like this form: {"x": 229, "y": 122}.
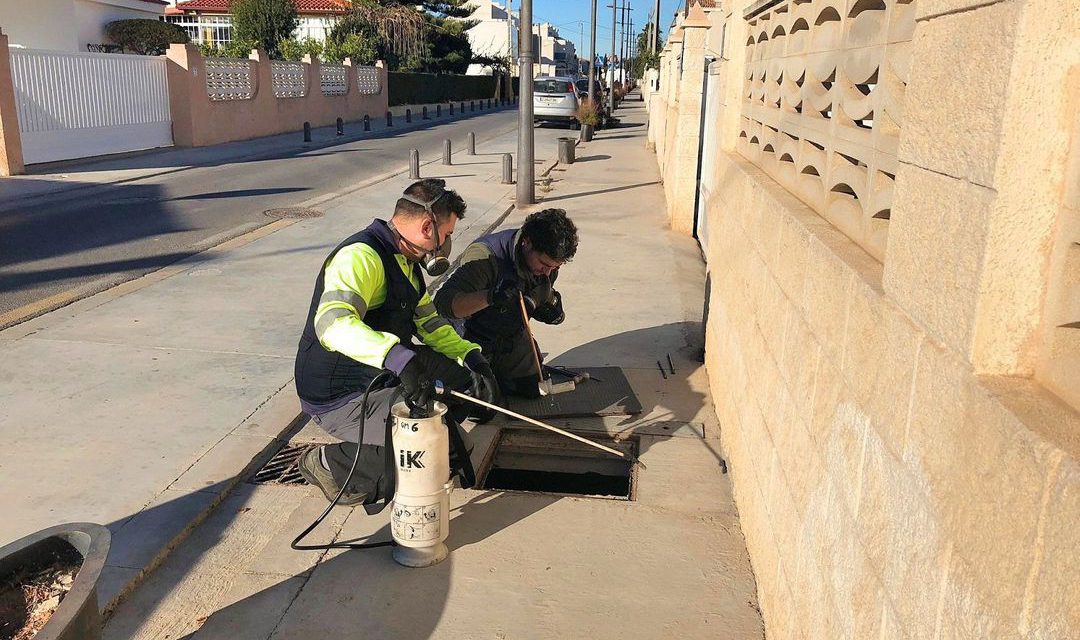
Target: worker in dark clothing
{"x": 496, "y": 274}
{"x": 370, "y": 300}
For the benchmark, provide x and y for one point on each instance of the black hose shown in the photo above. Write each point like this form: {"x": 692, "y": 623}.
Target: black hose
{"x": 345, "y": 485}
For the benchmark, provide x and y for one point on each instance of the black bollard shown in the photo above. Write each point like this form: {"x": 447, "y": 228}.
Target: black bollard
{"x": 462, "y": 106}
{"x": 489, "y": 103}
{"x": 389, "y": 119}
{"x": 472, "y": 143}
{"x": 438, "y": 111}
{"x": 340, "y": 127}
{"x": 414, "y": 164}
{"x": 451, "y": 108}
{"x": 423, "y": 114}
{"x": 408, "y": 115}
{"x": 307, "y": 132}
{"x": 472, "y": 105}
{"x": 508, "y": 168}
{"x": 367, "y": 123}
{"x": 446, "y": 151}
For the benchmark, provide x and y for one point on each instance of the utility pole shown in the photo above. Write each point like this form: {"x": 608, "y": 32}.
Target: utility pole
{"x": 611, "y": 61}
{"x": 622, "y": 45}
{"x": 592, "y": 55}
{"x": 654, "y": 44}
{"x": 526, "y": 193}
{"x": 630, "y": 48}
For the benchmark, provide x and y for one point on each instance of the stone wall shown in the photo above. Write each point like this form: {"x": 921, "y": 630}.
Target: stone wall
{"x": 900, "y": 418}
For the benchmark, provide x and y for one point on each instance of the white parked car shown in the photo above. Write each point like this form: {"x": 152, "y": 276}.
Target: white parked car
{"x": 555, "y": 100}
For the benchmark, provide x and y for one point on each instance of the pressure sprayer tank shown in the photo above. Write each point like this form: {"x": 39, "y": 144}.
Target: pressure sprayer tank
{"x": 420, "y": 516}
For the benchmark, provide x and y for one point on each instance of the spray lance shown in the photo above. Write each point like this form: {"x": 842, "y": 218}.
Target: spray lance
{"x": 418, "y": 452}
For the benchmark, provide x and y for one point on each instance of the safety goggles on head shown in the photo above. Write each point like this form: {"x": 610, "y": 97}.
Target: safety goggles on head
{"x": 435, "y": 261}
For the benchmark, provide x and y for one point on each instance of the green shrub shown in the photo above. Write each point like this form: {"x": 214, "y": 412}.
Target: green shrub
{"x": 293, "y": 49}
{"x": 235, "y": 49}
{"x": 144, "y": 36}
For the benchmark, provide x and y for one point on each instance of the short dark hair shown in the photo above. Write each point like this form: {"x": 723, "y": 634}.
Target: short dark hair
{"x": 551, "y": 233}
{"x": 449, "y": 203}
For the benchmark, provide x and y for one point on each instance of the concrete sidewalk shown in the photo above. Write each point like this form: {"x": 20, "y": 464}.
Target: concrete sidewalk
{"x": 669, "y": 564}
{"x": 86, "y": 175}
{"x": 139, "y": 407}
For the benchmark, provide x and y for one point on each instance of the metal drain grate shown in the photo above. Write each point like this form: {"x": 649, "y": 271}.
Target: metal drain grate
{"x": 293, "y": 212}
{"x": 283, "y": 467}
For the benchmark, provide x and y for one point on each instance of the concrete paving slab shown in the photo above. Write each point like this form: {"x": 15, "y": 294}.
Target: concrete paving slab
{"x": 142, "y": 539}
{"x": 215, "y": 470}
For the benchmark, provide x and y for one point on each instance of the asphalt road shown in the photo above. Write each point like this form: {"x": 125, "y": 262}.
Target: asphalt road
{"x": 90, "y": 242}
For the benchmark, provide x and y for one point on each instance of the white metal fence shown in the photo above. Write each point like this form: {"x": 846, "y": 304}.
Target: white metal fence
{"x": 74, "y": 105}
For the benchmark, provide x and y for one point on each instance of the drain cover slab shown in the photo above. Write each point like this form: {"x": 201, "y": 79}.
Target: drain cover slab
{"x": 293, "y": 212}
{"x": 611, "y": 395}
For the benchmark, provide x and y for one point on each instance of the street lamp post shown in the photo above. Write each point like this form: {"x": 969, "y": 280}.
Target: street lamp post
{"x": 526, "y": 193}
{"x": 611, "y": 60}
{"x": 592, "y": 55}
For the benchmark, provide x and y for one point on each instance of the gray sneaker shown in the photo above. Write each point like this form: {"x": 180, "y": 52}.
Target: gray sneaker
{"x": 310, "y": 466}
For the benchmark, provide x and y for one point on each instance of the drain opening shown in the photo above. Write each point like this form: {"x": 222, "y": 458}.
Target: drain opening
{"x": 543, "y": 462}
{"x": 283, "y": 467}
{"x": 293, "y": 212}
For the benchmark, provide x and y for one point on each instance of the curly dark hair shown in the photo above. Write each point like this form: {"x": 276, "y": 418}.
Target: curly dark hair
{"x": 449, "y": 203}
{"x": 552, "y": 233}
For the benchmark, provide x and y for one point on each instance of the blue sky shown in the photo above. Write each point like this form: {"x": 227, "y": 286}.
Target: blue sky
{"x": 573, "y": 16}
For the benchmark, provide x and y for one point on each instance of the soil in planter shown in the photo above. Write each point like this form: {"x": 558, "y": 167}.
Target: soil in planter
{"x": 29, "y": 597}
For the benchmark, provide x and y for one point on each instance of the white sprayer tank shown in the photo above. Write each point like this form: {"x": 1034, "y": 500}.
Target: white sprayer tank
{"x": 420, "y": 515}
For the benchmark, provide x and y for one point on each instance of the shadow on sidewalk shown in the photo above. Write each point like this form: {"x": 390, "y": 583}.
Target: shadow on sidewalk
{"x": 583, "y": 194}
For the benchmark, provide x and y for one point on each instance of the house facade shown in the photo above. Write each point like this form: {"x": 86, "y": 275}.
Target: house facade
{"x": 69, "y": 25}
{"x": 208, "y": 21}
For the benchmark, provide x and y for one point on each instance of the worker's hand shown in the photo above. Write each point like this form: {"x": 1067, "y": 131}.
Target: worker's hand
{"x": 416, "y": 385}
{"x": 551, "y": 313}
{"x": 484, "y": 385}
{"x": 505, "y": 296}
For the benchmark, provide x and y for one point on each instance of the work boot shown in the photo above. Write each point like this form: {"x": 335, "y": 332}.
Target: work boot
{"x": 311, "y": 467}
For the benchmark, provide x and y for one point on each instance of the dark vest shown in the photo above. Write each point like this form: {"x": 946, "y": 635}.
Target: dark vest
{"x": 495, "y": 329}
{"x": 323, "y": 376}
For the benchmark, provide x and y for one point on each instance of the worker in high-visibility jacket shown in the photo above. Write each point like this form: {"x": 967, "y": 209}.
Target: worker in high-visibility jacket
{"x": 500, "y": 273}
{"x": 370, "y": 300}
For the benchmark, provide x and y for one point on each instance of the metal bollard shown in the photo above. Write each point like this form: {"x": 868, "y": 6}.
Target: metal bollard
{"x": 462, "y": 106}
{"x": 367, "y": 123}
{"x": 423, "y": 114}
{"x": 438, "y": 111}
{"x": 408, "y": 115}
{"x": 446, "y": 152}
{"x": 508, "y": 168}
{"x": 472, "y": 143}
{"x": 489, "y": 103}
{"x": 566, "y": 151}
{"x": 451, "y": 108}
{"x": 414, "y": 164}
{"x": 340, "y": 127}
{"x": 307, "y": 132}
{"x": 472, "y": 105}
{"x": 389, "y": 119}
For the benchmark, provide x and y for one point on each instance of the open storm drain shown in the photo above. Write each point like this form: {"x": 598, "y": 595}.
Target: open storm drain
{"x": 293, "y": 212}
{"x": 282, "y": 468}
{"x": 539, "y": 461}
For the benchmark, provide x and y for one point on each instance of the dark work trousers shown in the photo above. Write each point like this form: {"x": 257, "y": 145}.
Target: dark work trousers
{"x": 513, "y": 362}
{"x": 344, "y": 423}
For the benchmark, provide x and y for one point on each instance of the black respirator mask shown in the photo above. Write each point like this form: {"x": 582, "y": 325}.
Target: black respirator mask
{"x": 434, "y": 261}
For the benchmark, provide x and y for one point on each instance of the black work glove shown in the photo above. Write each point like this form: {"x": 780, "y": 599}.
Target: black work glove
{"x": 504, "y": 297}
{"x": 552, "y": 312}
{"x": 416, "y": 385}
{"x": 484, "y": 385}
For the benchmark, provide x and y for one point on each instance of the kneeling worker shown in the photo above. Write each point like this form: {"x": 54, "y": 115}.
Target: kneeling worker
{"x": 370, "y": 300}
{"x": 484, "y": 290}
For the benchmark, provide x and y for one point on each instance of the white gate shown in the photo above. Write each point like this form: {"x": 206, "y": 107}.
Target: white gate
{"x": 710, "y": 112}
{"x": 74, "y": 105}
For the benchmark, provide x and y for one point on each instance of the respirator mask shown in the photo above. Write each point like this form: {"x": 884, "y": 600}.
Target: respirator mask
{"x": 435, "y": 261}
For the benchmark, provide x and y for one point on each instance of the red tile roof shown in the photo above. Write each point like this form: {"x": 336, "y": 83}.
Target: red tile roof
{"x": 302, "y": 6}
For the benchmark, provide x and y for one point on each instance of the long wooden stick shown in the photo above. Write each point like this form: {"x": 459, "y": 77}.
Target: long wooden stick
{"x": 532, "y": 343}
{"x": 557, "y": 430}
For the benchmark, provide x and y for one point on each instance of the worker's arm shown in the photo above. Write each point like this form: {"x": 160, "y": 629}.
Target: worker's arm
{"x": 468, "y": 289}
{"x": 437, "y": 333}
{"x": 353, "y": 280}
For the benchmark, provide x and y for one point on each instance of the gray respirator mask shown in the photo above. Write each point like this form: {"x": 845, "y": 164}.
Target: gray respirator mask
{"x": 434, "y": 261}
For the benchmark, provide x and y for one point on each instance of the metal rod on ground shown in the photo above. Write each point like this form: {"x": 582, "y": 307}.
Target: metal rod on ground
{"x": 340, "y": 127}
{"x": 508, "y": 168}
{"x": 307, "y": 132}
{"x": 542, "y": 425}
{"x": 414, "y": 164}
{"x": 446, "y": 152}
{"x": 526, "y": 189}
{"x": 472, "y": 144}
